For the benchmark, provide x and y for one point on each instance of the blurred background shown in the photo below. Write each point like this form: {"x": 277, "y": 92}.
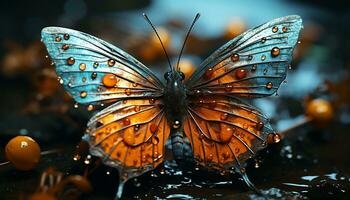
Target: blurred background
{"x": 311, "y": 162}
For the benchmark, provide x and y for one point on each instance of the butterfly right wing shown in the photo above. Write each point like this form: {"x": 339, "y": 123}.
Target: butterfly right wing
{"x": 253, "y": 64}
{"x": 225, "y": 132}
{"x": 130, "y": 135}
{"x": 94, "y": 71}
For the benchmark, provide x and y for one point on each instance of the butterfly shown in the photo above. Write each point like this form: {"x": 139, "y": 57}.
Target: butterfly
{"x": 131, "y": 133}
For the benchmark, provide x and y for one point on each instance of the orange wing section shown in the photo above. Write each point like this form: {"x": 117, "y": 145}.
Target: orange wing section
{"x": 224, "y": 132}
{"x": 130, "y": 135}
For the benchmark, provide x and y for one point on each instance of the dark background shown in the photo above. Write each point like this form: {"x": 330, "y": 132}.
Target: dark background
{"x": 310, "y": 162}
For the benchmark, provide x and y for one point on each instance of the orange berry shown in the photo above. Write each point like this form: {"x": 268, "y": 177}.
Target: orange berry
{"x": 319, "y": 110}
{"x": 23, "y": 152}
{"x": 41, "y": 196}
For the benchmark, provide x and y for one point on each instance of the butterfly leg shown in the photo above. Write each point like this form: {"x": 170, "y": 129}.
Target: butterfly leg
{"x": 252, "y": 186}
{"x": 120, "y": 189}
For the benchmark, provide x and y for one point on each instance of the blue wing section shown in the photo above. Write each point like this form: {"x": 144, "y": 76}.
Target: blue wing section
{"x": 94, "y": 71}
{"x": 253, "y": 64}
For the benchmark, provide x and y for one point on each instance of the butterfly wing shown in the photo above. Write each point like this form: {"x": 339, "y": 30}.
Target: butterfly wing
{"x": 253, "y": 64}
{"x": 94, "y": 71}
{"x": 129, "y": 135}
{"x": 224, "y": 132}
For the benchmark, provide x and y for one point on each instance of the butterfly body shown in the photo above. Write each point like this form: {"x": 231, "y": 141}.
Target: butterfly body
{"x": 175, "y": 99}
{"x": 131, "y": 133}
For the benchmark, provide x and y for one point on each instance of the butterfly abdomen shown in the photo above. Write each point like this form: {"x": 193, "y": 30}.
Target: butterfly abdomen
{"x": 177, "y": 143}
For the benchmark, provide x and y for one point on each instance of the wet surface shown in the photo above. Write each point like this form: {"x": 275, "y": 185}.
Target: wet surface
{"x": 306, "y": 165}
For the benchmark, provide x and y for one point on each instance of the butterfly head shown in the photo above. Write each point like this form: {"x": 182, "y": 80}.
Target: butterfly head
{"x": 174, "y": 76}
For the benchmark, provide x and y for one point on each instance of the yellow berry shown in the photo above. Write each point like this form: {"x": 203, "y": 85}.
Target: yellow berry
{"x": 23, "y": 152}
{"x": 319, "y": 110}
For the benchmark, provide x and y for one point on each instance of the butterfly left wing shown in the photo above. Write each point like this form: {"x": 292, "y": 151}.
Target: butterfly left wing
{"x": 94, "y": 71}
{"x": 224, "y": 132}
{"x": 129, "y": 135}
{"x": 253, "y": 64}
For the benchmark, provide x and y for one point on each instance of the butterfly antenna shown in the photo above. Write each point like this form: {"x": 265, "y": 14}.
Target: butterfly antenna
{"x": 150, "y": 23}
{"x": 187, "y": 35}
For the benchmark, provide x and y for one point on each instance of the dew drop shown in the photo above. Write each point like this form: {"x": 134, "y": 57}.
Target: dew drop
{"x": 111, "y": 62}
{"x": 126, "y": 121}
{"x": 228, "y": 87}
{"x": 137, "y": 127}
{"x": 137, "y": 108}
{"x": 253, "y": 68}
{"x": 127, "y": 91}
{"x": 83, "y": 79}
{"x": 95, "y": 65}
{"x": 275, "y": 52}
{"x": 60, "y": 80}
{"x": 134, "y": 84}
{"x": 65, "y": 47}
{"x": 87, "y": 159}
{"x": 250, "y": 57}
{"x": 153, "y": 128}
{"x": 90, "y": 107}
{"x": 276, "y": 138}
{"x": 144, "y": 158}
{"x": 70, "y": 84}
{"x": 70, "y": 61}
{"x": 256, "y": 165}
{"x": 263, "y": 57}
{"x": 284, "y": 29}
{"x": 66, "y": 36}
{"x": 93, "y": 75}
{"x": 155, "y": 140}
{"x": 290, "y": 66}
{"x": 209, "y": 73}
{"x": 263, "y": 40}
{"x": 109, "y": 80}
{"x": 269, "y": 85}
{"x": 240, "y": 73}
{"x": 259, "y": 126}
{"x": 76, "y": 105}
{"x": 224, "y": 116}
{"x": 274, "y": 29}
{"x": 76, "y": 157}
{"x": 83, "y": 94}
{"x": 82, "y": 66}
{"x": 245, "y": 126}
{"x": 226, "y": 134}
{"x": 225, "y": 155}
{"x": 176, "y": 124}
{"x": 152, "y": 101}
{"x": 58, "y": 39}
{"x": 210, "y": 157}
{"x": 234, "y": 57}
